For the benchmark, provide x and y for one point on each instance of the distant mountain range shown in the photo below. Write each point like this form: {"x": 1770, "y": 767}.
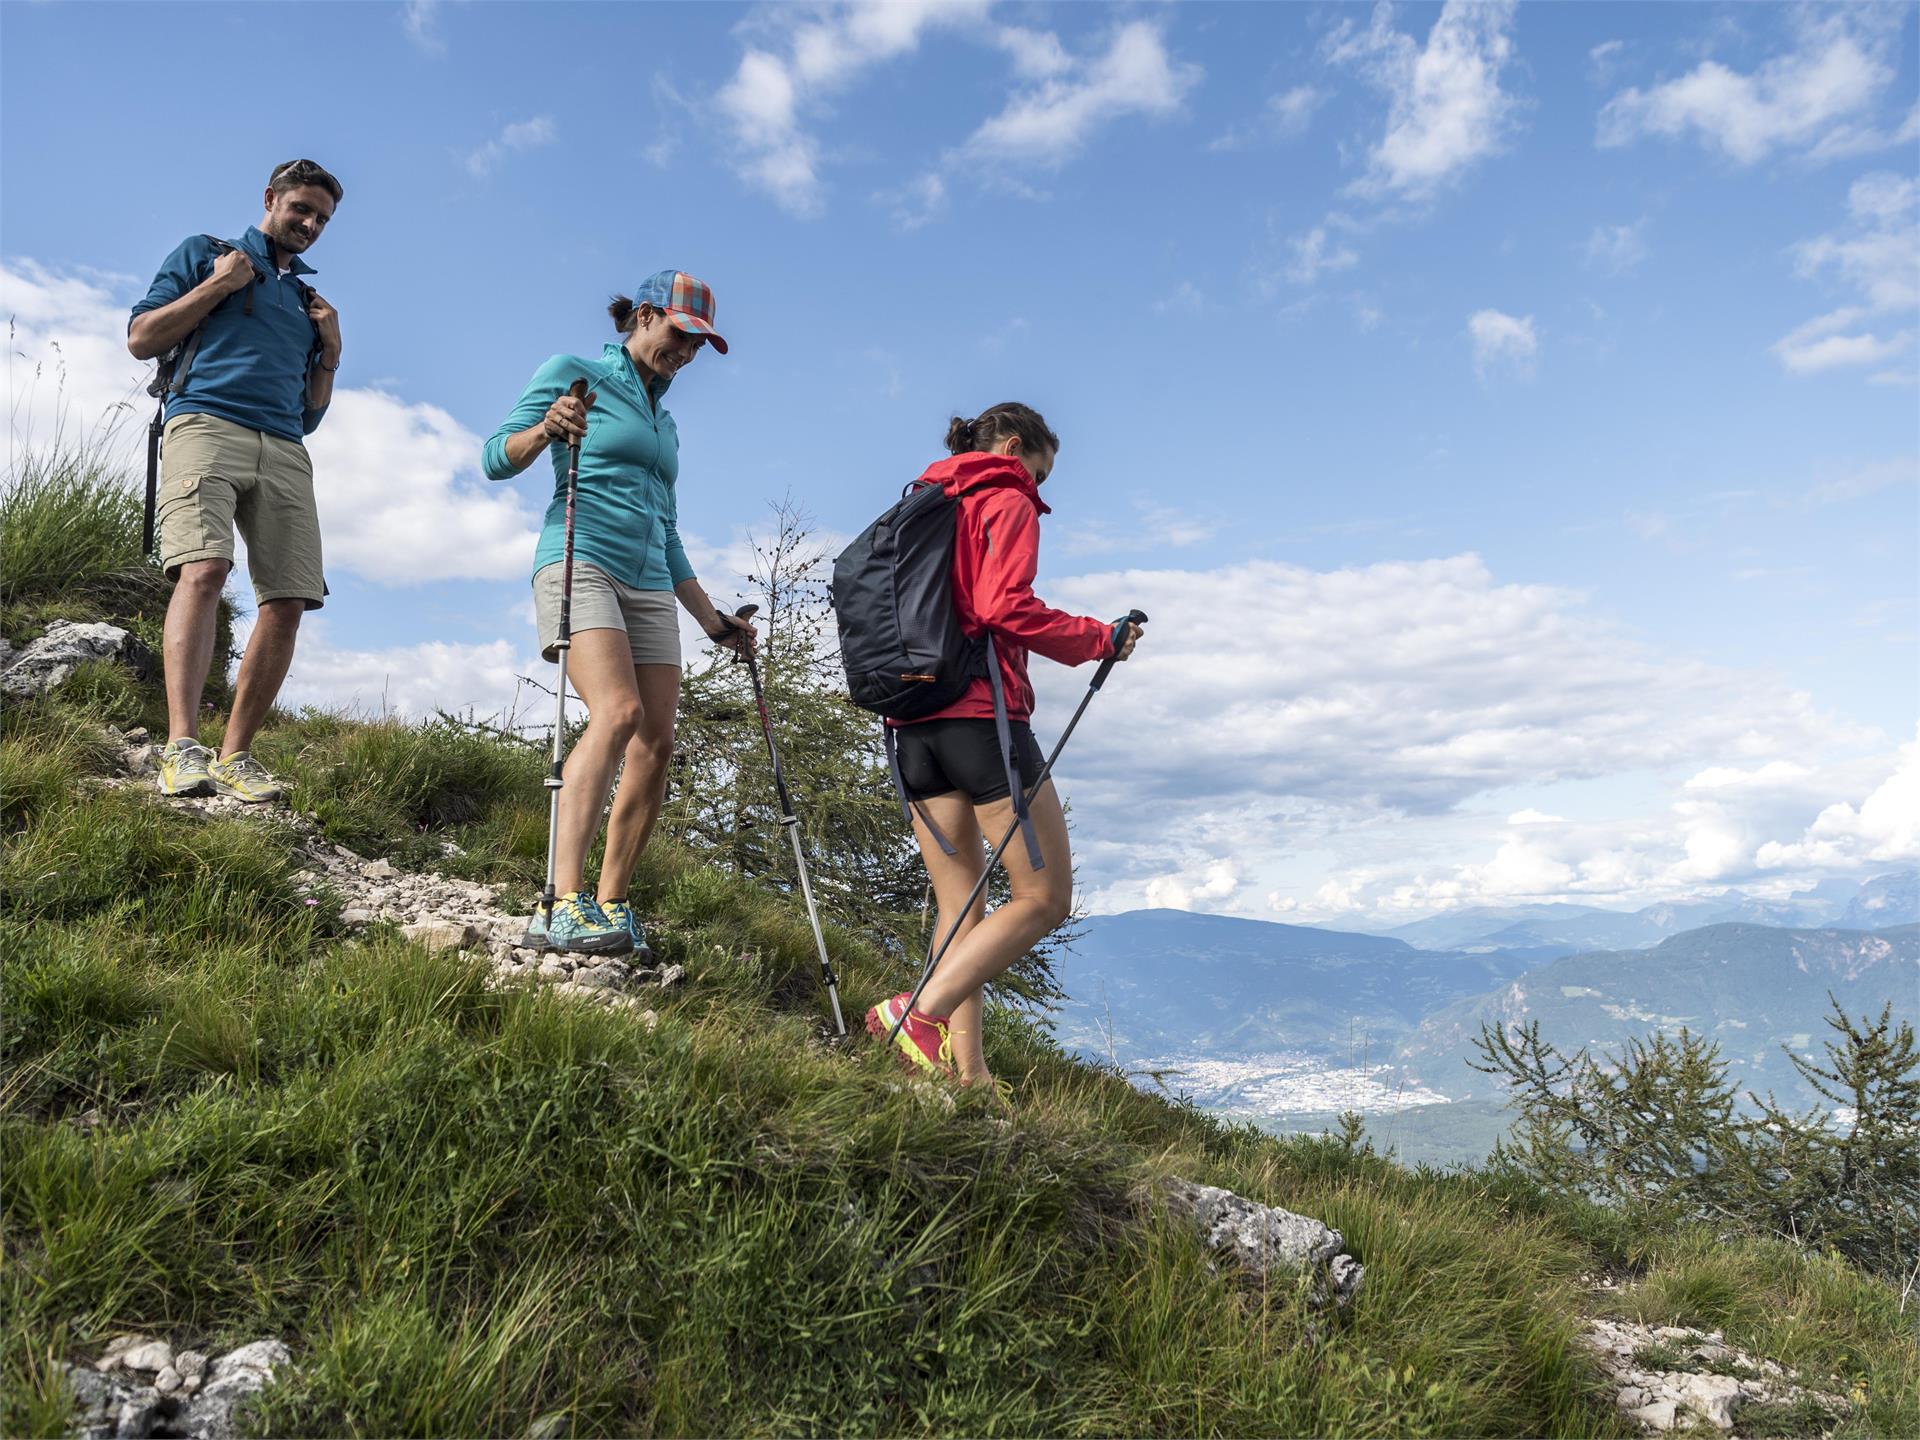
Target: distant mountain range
{"x": 1884, "y": 901}
{"x": 1151, "y": 983}
{"x": 1274, "y": 1021}
{"x": 1752, "y": 988}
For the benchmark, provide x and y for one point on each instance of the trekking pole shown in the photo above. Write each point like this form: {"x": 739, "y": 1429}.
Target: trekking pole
{"x": 1132, "y": 617}
{"x": 578, "y": 390}
{"x": 791, "y": 824}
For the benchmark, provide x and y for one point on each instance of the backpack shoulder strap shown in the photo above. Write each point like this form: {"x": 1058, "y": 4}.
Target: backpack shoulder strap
{"x": 170, "y": 375}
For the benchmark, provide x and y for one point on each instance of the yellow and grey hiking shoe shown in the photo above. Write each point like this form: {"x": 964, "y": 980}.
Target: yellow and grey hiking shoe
{"x": 580, "y": 927}
{"x": 619, "y": 912}
{"x": 183, "y": 768}
{"x": 245, "y": 778}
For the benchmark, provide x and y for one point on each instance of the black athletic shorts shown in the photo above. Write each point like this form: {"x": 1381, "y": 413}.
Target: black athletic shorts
{"x": 938, "y": 757}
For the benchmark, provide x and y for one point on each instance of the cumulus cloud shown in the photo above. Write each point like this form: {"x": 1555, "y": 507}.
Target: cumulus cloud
{"x": 1409, "y": 686}
{"x": 1348, "y": 730}
{"x": 514, "y": 139}
{"x": 401, "y": 497}
{"x": 412, "y": 681}
{"x": 1502, "y": 344}
{"x": 1198, "y": 887}
{"x": 1446, "y": 109}
{"x": 402, "y": 500}
{"x": 789, "y": 74}
{"x": 1839, "y": 63}
{"x": 1875, "y": 260}
{"x": 1884, "y": 828}
{"x": 71, "y": 370}
{"x": 1051, "y": 122}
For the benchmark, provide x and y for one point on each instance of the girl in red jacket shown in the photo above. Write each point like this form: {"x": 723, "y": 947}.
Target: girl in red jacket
{"x": 951, "y": 763}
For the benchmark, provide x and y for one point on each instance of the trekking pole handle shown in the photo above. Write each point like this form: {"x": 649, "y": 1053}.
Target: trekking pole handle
{"x": 1132, "y": 617}
{"x": 745, "y": 612}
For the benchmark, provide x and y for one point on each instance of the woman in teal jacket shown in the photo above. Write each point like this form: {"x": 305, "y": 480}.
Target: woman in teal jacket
{"x": 629, "y": 567}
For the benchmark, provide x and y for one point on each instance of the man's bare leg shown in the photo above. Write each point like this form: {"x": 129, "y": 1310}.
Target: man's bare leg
{"x": 262, "y": 671}
{"x": 187, "y": 642}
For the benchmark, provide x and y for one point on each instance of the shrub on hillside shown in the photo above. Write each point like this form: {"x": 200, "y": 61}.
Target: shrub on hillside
{"x": 1661, "y": 1133}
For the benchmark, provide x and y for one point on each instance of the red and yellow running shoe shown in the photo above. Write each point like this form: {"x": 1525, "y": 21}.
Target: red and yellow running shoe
{"x": 922, "y": 1043}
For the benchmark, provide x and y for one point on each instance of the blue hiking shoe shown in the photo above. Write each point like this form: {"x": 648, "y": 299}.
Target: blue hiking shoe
{"x": 580, "y": 927}
{"x": 619, "y": 912}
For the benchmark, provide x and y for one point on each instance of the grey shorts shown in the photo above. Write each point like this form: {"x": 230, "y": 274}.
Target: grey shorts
{"x": 650, "y": 618}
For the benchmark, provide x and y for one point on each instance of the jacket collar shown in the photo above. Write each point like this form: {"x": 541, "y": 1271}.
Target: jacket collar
{"x": 619, "y": 362}
{"x": 257, "y": 245}
{"x": 978, "y": 470}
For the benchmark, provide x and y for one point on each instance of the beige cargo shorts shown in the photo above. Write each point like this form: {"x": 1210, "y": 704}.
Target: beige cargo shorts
{"x": 214, "y": 475}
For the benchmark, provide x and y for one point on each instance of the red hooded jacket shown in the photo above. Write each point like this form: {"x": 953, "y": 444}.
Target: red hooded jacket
{"x": 996, "y": 550}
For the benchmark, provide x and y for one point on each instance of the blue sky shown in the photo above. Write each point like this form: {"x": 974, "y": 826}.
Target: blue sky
{"x": 1507, "y": 414}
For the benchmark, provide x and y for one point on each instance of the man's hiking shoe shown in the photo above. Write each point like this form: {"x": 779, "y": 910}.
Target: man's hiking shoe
{"x": 619, "y": 912}
{"x": 183, "y": 768}
{"x": 245, "y": 778}
{"x": 922, "y": 1045}
{"x": 580, "y": 927}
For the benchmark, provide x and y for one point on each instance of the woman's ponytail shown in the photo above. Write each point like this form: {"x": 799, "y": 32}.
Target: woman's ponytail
{"x": 991, "y": 426}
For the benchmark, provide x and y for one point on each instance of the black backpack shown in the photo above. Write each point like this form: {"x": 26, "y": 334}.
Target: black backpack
{"x": 901, "y": 641}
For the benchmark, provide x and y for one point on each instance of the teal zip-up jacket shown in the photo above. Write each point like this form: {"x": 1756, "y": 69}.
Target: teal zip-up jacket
{"x": 625, "y": 518}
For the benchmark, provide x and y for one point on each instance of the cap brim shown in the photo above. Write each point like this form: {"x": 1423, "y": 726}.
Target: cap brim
{"x": 693, "y": 325}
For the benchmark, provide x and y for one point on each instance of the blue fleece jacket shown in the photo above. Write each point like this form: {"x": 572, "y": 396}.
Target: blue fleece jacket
{"x": 626, "y": 518}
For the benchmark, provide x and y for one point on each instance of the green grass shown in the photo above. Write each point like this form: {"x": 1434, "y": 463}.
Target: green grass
{"x": 70, "y": 531}
{"x": 472, "y": 1210}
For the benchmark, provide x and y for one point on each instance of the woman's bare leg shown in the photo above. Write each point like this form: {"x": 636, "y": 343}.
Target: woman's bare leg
{"x": 600, "y": 666}
{"x": 953, "y": 877}
{"x": 1039, "y": 903}
{"x": 643, "y": 783}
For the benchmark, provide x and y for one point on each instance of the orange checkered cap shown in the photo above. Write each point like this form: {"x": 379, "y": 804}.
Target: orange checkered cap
{"x": 685, "y": 301}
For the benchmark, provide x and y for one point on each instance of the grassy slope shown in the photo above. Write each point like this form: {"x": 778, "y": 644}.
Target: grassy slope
{"x": 467, "y": 1209}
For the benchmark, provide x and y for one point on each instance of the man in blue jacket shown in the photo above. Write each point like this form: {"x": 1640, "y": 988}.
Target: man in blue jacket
{"x": 254, "y": 354}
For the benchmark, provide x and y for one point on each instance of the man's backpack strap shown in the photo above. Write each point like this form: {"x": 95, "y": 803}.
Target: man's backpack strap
{"x": 170, "y": 374}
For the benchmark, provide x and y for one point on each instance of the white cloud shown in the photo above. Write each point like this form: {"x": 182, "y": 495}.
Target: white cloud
{"x": 1877, "y": 259}
{"x": 1884, "y": 828}
{"x": 421, "y": 20}
{"x": 1845, "y": 140}
{"x": 70, "y": 369}
{"x": 1285, "y": 116}
{"x": 399, "y": 487}
{"x": 416, "y": 680}
{"x": 917, "y": 203}
{"x": 1446, "y": 109}
{"x": 1051, "y": 122}
{"x": 802, "y": 65}
{"x": 1037, "y": 54}
{"x": 402, "y": 500}
{"x": 1616, "y": 249}
{"x": 1313, "y": 256}
{"x": 514, "y": 139}
{"x": 1840, "y": 62}
{"x": 1502, "y": 344}
{"x": 1195, "y": 888}
{"x": 1407, "y": 686}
